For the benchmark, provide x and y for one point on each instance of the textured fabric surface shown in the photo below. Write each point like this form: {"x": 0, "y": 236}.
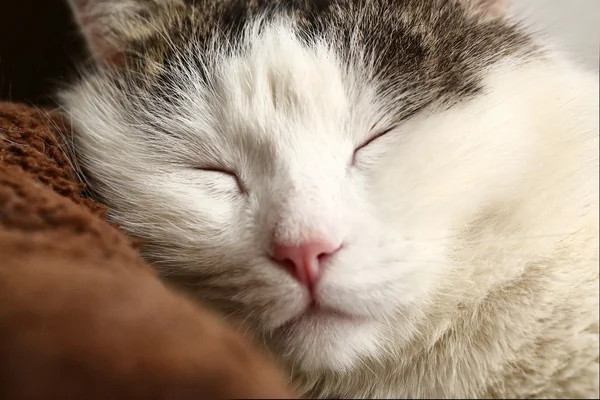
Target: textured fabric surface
{"x": 81, "y": 315}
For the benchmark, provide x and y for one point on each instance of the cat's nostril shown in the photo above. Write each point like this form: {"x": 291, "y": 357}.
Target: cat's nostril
{"x": 323, "y": 256}
{"x": 289, "y": 264}
{"x": 305, "y": 261}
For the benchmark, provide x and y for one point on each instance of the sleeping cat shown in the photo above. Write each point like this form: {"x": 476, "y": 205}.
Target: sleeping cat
{"x": 398, "y": 197}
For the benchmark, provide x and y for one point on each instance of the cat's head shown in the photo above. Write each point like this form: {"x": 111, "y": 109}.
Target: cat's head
{"x": 303, "y": 167}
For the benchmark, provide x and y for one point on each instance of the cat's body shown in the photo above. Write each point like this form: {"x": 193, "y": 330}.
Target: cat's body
{"x": 463, "y": 239}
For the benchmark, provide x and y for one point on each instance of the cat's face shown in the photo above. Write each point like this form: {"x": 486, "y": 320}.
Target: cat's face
{"x": 354, "y": 131}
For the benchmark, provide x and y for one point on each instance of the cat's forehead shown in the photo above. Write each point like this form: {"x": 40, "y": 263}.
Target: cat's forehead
{"x": 319, "y": 57}
{"x": 281, "y": 92}
{"x": 278, "y": 82}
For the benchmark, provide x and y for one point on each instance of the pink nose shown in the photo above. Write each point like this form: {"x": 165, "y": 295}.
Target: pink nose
{"x": 305, "y": 260}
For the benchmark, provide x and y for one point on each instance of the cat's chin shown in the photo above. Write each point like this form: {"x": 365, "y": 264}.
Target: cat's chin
{"x": 325, "y": 339}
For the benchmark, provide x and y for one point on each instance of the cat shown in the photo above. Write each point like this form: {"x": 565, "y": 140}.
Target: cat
{"x": 399, "y": 198}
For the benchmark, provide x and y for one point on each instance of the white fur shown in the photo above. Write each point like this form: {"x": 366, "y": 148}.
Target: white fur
{"x": 437, "y": 217}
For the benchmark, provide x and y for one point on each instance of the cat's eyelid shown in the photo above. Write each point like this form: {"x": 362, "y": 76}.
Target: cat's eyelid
{"x": 216, "y": 169}
{"x": 370, "y": 140}
{"x": 374, "y": 137}
{"x": 226, "y": 171}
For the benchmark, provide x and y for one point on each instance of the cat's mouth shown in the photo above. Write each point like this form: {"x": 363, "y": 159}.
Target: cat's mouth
{"x": 316, "y": 313}
{"x": 314, "y": 308}
{"x": 330, "y": 313}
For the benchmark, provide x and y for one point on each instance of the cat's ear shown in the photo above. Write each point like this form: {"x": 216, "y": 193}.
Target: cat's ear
{"x": 104, "y": 25}
{"x": 488, "y": 9}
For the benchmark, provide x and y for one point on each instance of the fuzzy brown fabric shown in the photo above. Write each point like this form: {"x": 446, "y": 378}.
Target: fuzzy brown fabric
{"x": 81, "y": 315}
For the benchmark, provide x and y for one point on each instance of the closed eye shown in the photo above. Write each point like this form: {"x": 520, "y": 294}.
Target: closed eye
{"x": 229, "y": 173}
{"x": 369, "y": 141}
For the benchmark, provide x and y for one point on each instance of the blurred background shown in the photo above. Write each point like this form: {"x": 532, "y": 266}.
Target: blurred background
{"x": 39, "y": 44}
{"x": 573, "y": 24}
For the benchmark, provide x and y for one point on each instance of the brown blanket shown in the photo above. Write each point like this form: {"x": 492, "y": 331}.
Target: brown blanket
{"x": 81, "y": 315}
